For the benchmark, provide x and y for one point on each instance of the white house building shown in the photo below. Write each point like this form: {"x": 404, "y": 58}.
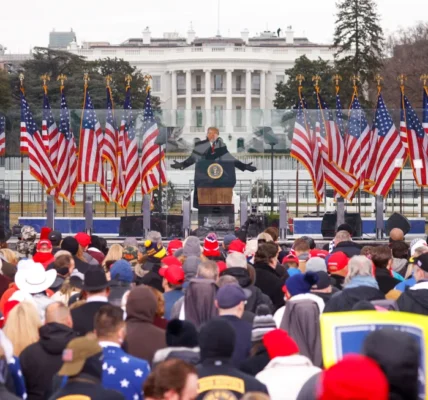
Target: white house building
{"x": 221, "y": 81}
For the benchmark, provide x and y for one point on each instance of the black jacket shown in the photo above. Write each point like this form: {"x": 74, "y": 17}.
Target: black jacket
{"x": 385, "y": 281}
{"x": 230, "y": 377}
{"x": 337, "y": 281}
{"x": 414, "y": 301}
{"x": 43, "y": 359}
{"x": 80, "y": 265}
{"x": 347, "y": 298}
{"x": 6, "y": 395}
{"x": 117, "y": 290}
{"x": 350, "y": 248}
{"x": 257, "y": 363}
{"x": 83, "y": 317}
{"x": 88, "y": 387}
{"x": 270, "y": 283}
{"x": 257, "y": 297}
{"x": 243, "y": 338}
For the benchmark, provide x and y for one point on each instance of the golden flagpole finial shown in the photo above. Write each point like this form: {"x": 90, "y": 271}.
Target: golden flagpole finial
{"x": 45, "y": 79}
{"x": 337, "y": 79}
{"x": 378, "y": 80}
{"x": 316, "y": 79}
{"x": 86, "y": 78}
{"x": 355, "y": 79}
{"x": 424, "y": 79}
{"x": 108, "y": 80}
{"x": 21, "y": 81}
{"x": 128, "y": 79}
{"x": 147, "y": 79}
{"x": 402, "y": 78}
{"x": 61, "y": 78}
{"x": 300, "y": 78}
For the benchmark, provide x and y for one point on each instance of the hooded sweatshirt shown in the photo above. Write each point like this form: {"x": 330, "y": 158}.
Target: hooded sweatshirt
{"x": 415, "y": 299}
{"x": 43, "y": 359}
{"x": 143, "y": 338}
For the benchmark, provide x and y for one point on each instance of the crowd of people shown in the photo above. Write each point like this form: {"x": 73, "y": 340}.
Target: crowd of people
{"x": 203, "y": 320}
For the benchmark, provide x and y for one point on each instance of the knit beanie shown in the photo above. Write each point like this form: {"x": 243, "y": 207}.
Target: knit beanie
{"x": 263, "y": 323}
{"x": 301, "y": 283}
{"x": 279, "y": 344}
{"x": 181, "y": 334}
{"x": 154, "y": 249}
{"x": 353, "y": 377}
{"x": 315, "y": 264}
{"x": 121, "y": 271}
{"x": 217, "y": 339}
{"x": 211, "y": 247}
{"x": 70, "y": 244}
{"x": 192, "y": 247}
{"x": 190, "y": 267}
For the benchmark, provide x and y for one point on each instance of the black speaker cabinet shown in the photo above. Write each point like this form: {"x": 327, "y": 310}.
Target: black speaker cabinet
{"x": 329, "y": 220}
{"x": 5, "y": 211}
{"x": 355, "y": 221}
{"x": 167, "y": 225}
{"x": 397, "y": 220}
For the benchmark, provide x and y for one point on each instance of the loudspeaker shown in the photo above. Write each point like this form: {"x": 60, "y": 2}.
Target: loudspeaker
{"x": 354, "y": 219}
{"x": 328, "y": 225}
{"x": 397, "y": 220}
{"x": 5, "y": 211}
{"x": 167, "y": 225}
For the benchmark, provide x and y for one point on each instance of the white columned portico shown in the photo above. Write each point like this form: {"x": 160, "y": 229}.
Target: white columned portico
{"x": 173, "y": 98}
{"x": 208, "y": 110}
{"x": 188, "y": 111}
{"x": 248, "y": 99}
{"x": 266, "y": 113}
{"x": 229, "y": 123}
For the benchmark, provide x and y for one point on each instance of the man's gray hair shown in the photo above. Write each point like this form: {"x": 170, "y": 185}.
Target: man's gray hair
{"x": 234, "y": 260}
{"x": 208, "y": 270}
{"x": 342, "y": 236}
{"x": 154, "y": 236}
{"x": 359, "y": 266}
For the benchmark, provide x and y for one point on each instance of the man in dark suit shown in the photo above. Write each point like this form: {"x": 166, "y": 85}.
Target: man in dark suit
{"x": 97, "y": 289}
{"x": 212, "y": 148}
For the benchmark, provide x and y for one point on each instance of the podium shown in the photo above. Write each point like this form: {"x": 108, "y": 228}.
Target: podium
{"x": 215, "y": 180}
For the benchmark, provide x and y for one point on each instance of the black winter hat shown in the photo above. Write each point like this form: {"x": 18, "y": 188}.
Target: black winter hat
{"x": 70, "y": 244}
{"x": 397, "y": 353}
{"x": 181, "y": 334}
{"x": 216, "y": 339}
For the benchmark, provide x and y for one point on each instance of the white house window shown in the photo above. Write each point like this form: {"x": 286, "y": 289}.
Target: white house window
{"x": 238, "y": 83}
{"x": 181, "y": 84}
{"x": 156, "y": 83}
{"x": 198, "y": 83}
{"x": 238, "y": 116}
{"x": 255, "y": 82}
{"x": 218, "y": 116}
{"x": 218, "y": 82}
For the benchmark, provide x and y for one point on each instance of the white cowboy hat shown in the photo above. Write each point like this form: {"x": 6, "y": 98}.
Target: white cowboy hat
{"x": 34, "y": 279}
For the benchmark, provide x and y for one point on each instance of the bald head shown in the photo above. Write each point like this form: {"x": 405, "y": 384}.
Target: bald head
{"x": 58, "y": 312}
{"x": 396, "y": 235}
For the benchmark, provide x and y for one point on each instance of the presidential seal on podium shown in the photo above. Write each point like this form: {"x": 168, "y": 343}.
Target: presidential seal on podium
{"x": 215, "y": 171}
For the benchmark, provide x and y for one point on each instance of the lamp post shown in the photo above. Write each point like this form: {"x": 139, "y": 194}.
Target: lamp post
{"x": 270, "y": 139}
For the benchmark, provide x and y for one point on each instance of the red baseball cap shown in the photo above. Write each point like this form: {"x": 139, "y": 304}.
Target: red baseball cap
{"x": 319, "y": 253}
{"x": 44, "y": 242}
{"x": 337, "y": 261}
{"x": 83, "y": 239}
{"x": 174, "y": 274}
{"x": 171, "y": 261}
{"x": 174, "y": 245}
{"x": 291, "y": 258}
{"x": 221, "y": 266}
{"x": 236, "y": 246}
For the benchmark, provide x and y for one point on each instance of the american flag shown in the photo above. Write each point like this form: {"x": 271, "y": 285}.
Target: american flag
{"x": 129, "y": 152}
{"x": 49, "y": 131}
{"x": 325, "y": 125}
{"x": 358, "y": 139}
{"x": 2, "y": 135}
{"x": 40, "y": 165}
{"x": 67, "y": 156}
{"x": 91, "y": 169}
{"x": 417, "y": 140}
{"x": 425, "y": 110}
{"x": 389, "y": 153}
{"x": 110, "y": 145}
{"x": 304, "y": 147}
{"x": 153, "y": 169}
{"x": 338, "y": 153}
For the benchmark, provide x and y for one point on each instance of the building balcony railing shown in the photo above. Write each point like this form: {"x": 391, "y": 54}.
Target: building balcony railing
{"x": 255, "y": 91}
{"x": 181, "y": 91}
{"x": 198, "y": 91}
{"x": 197, "y": 129}
{"x": 239, "y": 129}
{"x": 238, "y": 90}
{"x": 218, "y": 90}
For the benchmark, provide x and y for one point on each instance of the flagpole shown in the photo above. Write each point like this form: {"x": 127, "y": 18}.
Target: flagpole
{"x": 297, "y": 189}
{"x": 402, "y": 78}
{"x": 85, "y": 79}
{"x": 21, "y": 78}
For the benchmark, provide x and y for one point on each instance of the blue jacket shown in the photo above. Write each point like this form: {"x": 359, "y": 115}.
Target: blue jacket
{"x": 123, "y": 372}
{"x": 242, "y": 340}
{"x": 170, "y": 299}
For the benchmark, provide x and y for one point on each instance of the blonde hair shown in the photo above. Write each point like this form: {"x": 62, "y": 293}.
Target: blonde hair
{"x": 160, "y": 309}
{"x": 10, "y": 256}
{"x": 22, "y": 326}
{"x": 115, "y": 253}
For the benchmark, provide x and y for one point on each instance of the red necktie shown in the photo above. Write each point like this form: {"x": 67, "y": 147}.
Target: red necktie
{"x": 212, "y": 148}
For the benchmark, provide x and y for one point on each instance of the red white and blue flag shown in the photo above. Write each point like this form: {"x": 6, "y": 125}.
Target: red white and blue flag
{"x": 389, "y": 154}
{"x": 67, "y": 155}
{"x": 2, "y": 135}
{"x": 40, "y": 164}
{"x": 129, "y": 152}
{"x": 153, "y": 169}
{"x": 417, "y": 140}
{"x": 49, "y": 131}
{"x": 90, "y": 165}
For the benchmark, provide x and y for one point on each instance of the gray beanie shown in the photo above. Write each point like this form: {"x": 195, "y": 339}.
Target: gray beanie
{"x": 192, "y": 247}
{"x": 190, "y": 267}
{"x": 316, "y": 264}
